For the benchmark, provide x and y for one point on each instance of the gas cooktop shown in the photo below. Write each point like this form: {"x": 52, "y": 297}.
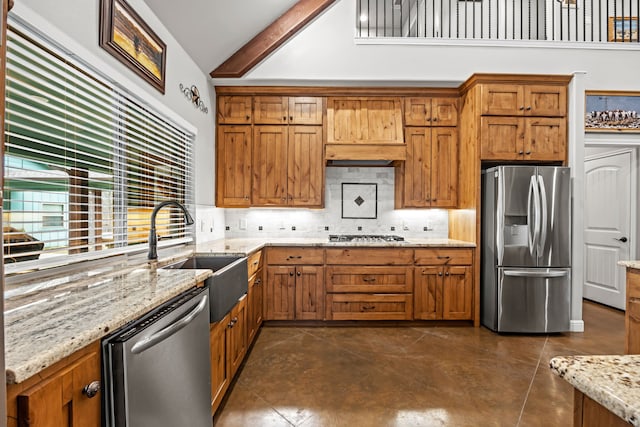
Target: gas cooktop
{"x": 364, "y": 238}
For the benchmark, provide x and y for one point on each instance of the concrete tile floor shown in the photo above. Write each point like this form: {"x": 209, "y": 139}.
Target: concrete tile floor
{"x": 411, "y": 376}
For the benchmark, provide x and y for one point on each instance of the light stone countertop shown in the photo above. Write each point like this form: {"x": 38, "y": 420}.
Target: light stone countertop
{"x": 61, "y": 315}
{"x": 63, "y": 320}
{"x": 630, "y": 264}
{"x": 612, "y": 381}
{"x": 244, "y": 247}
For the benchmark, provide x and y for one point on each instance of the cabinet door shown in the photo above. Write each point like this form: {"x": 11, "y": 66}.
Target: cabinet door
{"x": 417, "y": 111}
{"x": 305, "y": 110}
{"x": 255, "y": 301}
{"x": 60, "y": 401}
{"x": 502, "y": 138}
{"x": 427, "y": 294}
{"x": 237, "y": 335}
{"x": 502, "y": 100}
{"x": 384, "y": 120}
{"x": 233, "y": 170}
{"x": 305, "y": 170}
{"x": 269, "y": 165}
{"x": 417, "y": 168}
{"x": 444, "y": 167}
{"x": 354, "y": 120}
{"x": 270, "y": 110}
{"x": 220, "y": 369}
{"x": 309, "y": 292}
{"x": 234, "y": 110}
{"x": 545, "y": 139}
{"x": 279, "y": 293}
{"x": 457, "y": 293}
{"x": 632, "y": 313}
{"x": 444, "y": 112}
{"x": 545, "y": 100}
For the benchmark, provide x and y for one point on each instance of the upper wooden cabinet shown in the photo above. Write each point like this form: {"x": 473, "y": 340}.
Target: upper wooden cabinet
{"x": 364, "y": 120}
{"x": 530, "y": 138}
{"x": 233, "y": 166}
{"x": 287, "y": 110}
{"x": 430, "y": 111}
{"x": 234, "y": 110}
{"x": 287, "y": 166}
{"x": 429, "y": 176}
{"x": 523, "y": 100}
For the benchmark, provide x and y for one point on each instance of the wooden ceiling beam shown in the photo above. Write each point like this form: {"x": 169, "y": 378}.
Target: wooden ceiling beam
{"x": 270, "y": 38}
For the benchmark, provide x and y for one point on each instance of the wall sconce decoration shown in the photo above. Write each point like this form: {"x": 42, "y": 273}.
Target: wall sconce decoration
{"x": 193, "y": 94}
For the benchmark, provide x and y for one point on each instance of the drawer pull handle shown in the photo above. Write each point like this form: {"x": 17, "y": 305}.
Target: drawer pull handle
{"x": 443, "y": 257}
{"x": 368, "y": 279}
{"x": 91, "y": 389}
{"x": 294, "y": 257}
{"x": 368, "y": 307}
{"x": 634, "y": 300}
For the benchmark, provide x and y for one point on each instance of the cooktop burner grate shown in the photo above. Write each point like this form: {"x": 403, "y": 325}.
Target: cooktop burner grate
{"x": 369, "y": 238}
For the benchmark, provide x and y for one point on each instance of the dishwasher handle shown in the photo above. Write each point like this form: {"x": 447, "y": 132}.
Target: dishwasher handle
{"x": 165, "y": 333}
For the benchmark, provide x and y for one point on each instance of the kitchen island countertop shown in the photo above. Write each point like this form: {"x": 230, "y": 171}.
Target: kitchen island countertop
{"x": 612, "y": 381}
{"x": 244, "y": 247}
{"x": 630, "y": 264}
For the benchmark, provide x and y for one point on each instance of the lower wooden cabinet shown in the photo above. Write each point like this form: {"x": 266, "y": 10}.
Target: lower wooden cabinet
{"x": 228, "y": 346}
{"x": 444, "y": 289}
{"x": 589, "y": 413}
{"x": 220, "y": 371}
{"x": 255, "y": 302}
{"x": 369, "y": 306}
{"x": 632, "y": 313}
{"x": 66, "y": 394}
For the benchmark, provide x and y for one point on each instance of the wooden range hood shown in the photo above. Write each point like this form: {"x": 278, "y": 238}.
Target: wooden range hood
{"x": 364, "y": 131}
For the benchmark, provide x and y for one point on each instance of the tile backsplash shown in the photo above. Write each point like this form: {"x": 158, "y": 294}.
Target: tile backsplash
{"x": 287, "y": 222}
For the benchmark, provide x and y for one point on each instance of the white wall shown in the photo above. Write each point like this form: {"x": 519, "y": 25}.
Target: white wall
{"x": 74, "y": 24}
{"x": 325, "y": 51}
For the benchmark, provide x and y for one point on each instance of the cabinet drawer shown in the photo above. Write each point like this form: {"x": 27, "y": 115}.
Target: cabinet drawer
{"x": 369, "y": 306}
{"x": 295, "y": 256}
{"x": 254, "y": 263}
{"x": 360, "y": 256}
{"x": 369, "y": 279}
{"x": 444, "y": 256}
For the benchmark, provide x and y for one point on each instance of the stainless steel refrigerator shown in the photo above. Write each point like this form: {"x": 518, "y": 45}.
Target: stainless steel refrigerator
{"x": 526, "y": 249}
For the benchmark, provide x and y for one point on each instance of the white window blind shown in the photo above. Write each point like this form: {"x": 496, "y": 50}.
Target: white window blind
{"x": 85, "y": 162}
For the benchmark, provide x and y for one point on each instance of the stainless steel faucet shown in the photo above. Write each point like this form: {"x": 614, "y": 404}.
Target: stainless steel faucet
{"x": 153, "y": 238}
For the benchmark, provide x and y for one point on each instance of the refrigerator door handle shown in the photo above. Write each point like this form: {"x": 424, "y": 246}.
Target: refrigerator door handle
{"x": 500, "y": 218}
{"x": 543, "y": 204}
{"x": 535, "y": 197}
{"x": 529, "y": 273}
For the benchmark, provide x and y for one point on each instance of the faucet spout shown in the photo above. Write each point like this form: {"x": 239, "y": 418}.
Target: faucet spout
{"x": 153, "y": 237}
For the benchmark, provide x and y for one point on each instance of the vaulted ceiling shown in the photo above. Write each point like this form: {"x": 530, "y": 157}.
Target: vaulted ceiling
{"x": 213, "y": 30}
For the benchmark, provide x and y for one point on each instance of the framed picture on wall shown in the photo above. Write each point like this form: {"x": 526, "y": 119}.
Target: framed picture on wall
{"x": 612, "y": 111}
{"x": 130, "y": 40}
{"x": 623, "y": 29}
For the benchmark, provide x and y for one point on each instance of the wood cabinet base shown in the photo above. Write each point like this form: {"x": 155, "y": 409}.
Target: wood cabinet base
{"x": 589, "y": 413}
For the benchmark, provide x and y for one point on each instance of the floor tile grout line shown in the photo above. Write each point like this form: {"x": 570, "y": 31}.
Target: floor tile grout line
{"x": 533, "y": 378}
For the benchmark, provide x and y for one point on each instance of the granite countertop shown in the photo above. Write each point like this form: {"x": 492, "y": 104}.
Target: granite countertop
{"x": 60, "y": 320}
{"x": 612, "y": 381}
{"x": 244, "y": 247}
{"x": 630, "y": 264}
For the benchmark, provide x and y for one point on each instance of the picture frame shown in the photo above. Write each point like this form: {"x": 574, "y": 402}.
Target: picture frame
{"x": 612, "y": 111}
{"x": 359, "y": 200}
{"x": 622, "y": 29}
{"x": 125, "y": 35}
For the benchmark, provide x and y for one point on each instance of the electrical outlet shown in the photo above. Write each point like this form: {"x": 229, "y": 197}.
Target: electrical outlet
{"x": 319, "y": 228}
{"x": 405, "y": 226}
{"x": 243, "y": 224}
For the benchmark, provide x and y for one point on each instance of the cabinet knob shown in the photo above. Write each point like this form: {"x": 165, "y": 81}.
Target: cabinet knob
{"x": 446, "y": 274}
{"x": 440, "y": 273}
{"x": 291, "y": 118}
{"x": 91, "y": 389}
{"x": 520, "y": 152}
{"x": 247, "y": 118}
{"x": 299, "y": 273}
{"x": 529, "y": 108}
{"x": 521, "y": 107}
{"x": 284, "y": 118}
{"x": 291, "y": 273}
{"x": 435, "y": 119}
{"x": 528, "y": 152}
{"x": 258, "y": 282}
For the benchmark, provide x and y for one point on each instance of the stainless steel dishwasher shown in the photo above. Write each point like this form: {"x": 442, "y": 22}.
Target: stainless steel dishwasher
{"x": 157, "y": 370}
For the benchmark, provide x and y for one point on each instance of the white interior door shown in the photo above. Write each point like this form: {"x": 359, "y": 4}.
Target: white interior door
{"x": 610, "y": 187}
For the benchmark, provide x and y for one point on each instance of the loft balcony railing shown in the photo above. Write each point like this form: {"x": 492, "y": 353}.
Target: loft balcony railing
{"x": 593, "y": 21}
